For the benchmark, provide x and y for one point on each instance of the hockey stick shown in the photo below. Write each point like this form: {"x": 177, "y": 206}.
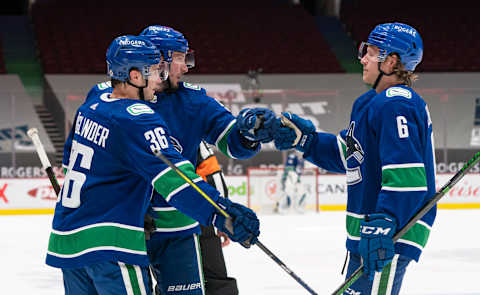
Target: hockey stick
{"x": 229, "y": 219}
{"x": 420, "y": 213}
{"x": 33, "y": 134}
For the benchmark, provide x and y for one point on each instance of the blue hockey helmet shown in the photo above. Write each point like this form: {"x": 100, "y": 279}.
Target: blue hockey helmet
{"x": 168, "y": 41}
{"x": 397, "y": 38}
{"x": 131, "y": 52}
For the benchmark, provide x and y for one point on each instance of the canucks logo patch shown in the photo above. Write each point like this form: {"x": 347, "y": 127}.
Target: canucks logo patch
{"x": 354, "y": 150}
{"x": 398, "y": 91}
{"x": 191, "y": 86}
{"x": 138, "y": 109}
{"x": 104, "y": 85}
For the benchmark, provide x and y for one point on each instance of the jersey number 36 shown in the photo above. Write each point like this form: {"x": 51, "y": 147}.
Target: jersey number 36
{"x": 157, "y": 139}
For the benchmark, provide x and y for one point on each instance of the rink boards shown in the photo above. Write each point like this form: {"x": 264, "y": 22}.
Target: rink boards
{"x": 36, "y": 195}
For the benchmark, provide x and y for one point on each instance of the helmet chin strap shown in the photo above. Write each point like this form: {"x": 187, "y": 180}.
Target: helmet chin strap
{"x": 380, "y": 75}
{"x": 141, "y": 93}
{"x": 169, "y": 88}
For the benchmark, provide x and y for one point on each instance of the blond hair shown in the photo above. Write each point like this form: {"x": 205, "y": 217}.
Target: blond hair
{"x": 407, "y": 77}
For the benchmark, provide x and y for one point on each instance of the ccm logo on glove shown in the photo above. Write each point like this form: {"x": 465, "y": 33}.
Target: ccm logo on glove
{"x": 374, "y": 230}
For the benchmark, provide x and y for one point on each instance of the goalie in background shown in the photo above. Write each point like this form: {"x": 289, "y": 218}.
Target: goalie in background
{"x": 217, "y": 281}
{"x": 293, "y": 191}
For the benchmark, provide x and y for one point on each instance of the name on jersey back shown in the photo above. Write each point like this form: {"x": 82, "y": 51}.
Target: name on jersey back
{"x": 91, "y": 130}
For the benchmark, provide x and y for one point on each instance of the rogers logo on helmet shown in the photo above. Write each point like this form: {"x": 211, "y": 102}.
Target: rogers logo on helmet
{"x": 132, "y": 42}
{"x": 405, "y": 30}
{"x": 162, "y": 29}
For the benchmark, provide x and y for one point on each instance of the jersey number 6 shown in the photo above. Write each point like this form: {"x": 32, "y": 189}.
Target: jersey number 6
{"x": 402, "y": 127}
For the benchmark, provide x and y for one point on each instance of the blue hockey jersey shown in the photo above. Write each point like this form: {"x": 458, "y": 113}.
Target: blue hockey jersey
{"x": 294, "y": 163}
{"x": 191, "y": 116}
{"x": 108, "y": 185}
{"x": 387, "y": 153}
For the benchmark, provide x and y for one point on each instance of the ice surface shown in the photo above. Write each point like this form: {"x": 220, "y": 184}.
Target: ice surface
{"x": 312, "y": 245}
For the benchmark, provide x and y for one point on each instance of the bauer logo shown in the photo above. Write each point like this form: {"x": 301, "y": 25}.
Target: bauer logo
{"x": 405, "y": 30}
{"x": 137, "y": 43}
{"x": 186, "y": 287}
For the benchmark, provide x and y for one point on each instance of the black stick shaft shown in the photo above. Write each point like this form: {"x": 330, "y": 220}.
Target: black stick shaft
{"x": 420, "y": 213}
{"x": 53, "y": 179}
{"x": 285, "y": 268}
{"x": 258, "y": 243}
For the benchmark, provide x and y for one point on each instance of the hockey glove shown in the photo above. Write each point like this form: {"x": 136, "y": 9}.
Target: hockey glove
{"x": 297, "y": 132}
{"x": 256, "y": 124}
{"x": 242, "y": 227}
{"x": 376, "y": 242}
{"x": 148, "y": 226}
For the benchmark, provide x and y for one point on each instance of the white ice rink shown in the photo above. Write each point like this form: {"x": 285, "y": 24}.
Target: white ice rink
{"x": 312, "y": 245}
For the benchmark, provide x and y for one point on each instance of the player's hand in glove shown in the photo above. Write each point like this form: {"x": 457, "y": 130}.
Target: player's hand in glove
{"x": 242, "y": 227}
{"x": 148, "y": 225}
{"x": 295, "y": 132}
{"x": 376, "y": 242}
{"x": 256, "y": 124}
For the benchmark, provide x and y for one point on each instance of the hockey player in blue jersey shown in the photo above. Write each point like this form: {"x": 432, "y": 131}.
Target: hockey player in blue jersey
{"x": 191, "y": 117}
{"x": 98, "y": 238}
{"x": 387, "y": 153}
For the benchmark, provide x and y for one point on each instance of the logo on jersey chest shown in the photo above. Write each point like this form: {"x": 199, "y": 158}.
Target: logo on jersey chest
{"x": 355, "y": 151}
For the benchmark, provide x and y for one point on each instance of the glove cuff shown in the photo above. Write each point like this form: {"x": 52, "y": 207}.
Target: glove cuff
{"x": 305, "y": 143}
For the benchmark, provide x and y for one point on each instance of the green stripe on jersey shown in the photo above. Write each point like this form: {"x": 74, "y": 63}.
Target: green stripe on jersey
{"x": 404, "y": 176}
{"x": 416, "y": 236}
{"x": 168, "y": 180}
{"x": 172, "y": 220}
{"x": 222, "y": 142}
{"x": 122, "y": 239}
{"x": 385, "y": 276}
